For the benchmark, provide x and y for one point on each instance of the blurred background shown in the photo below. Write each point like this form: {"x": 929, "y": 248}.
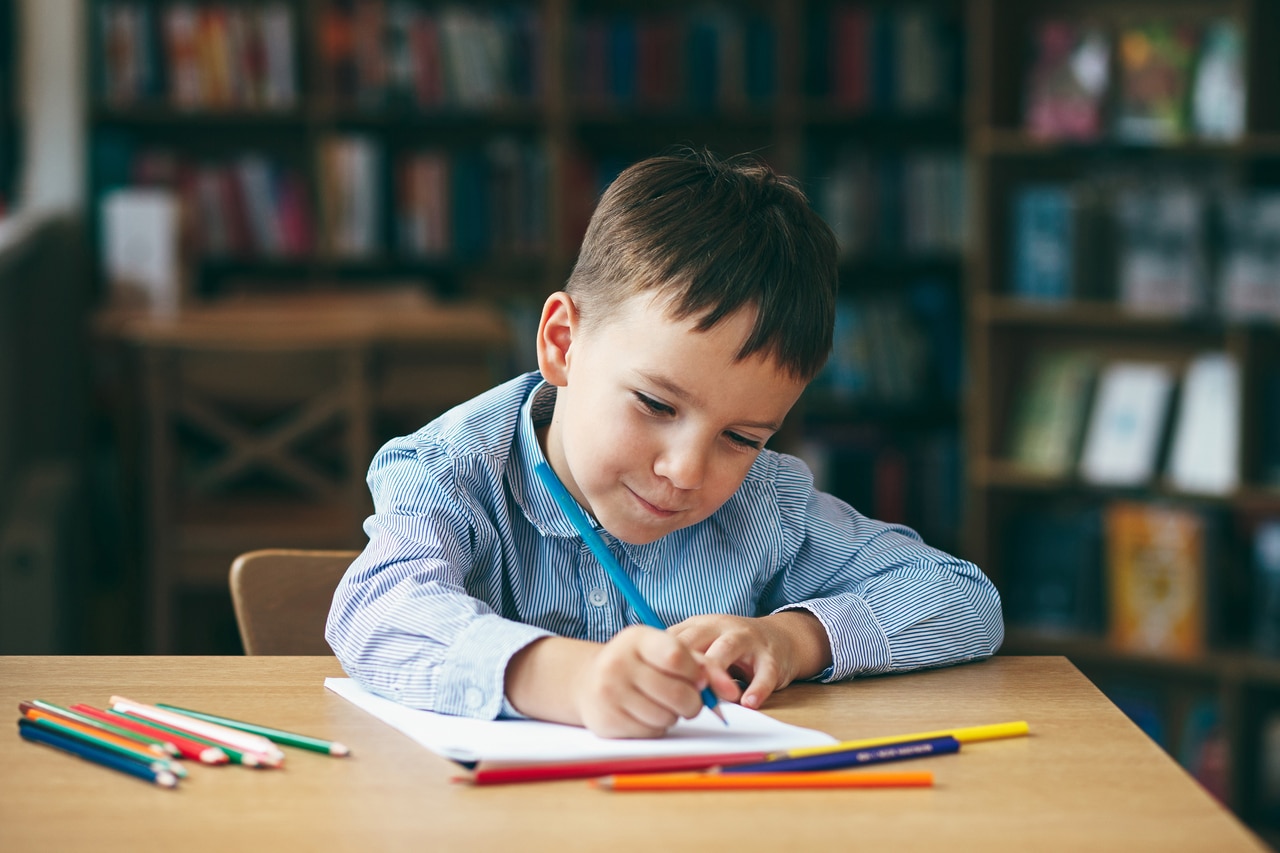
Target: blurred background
{"x": 244, "y": 243}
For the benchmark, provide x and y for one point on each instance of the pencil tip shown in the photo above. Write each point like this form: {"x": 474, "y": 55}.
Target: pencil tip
{"x": 339, "y": 749}
{"x": 716, "y": 710}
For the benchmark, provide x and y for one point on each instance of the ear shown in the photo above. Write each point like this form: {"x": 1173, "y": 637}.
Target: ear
{"x": 556, "y": 329}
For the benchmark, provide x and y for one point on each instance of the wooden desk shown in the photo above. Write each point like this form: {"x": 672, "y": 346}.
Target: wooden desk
{"x": 1087, "y": 778}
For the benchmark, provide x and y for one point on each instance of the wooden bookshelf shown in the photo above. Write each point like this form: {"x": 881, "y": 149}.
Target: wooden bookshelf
{"x": 1005, "y": 331}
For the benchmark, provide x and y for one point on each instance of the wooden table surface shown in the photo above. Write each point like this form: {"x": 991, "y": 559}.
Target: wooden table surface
{"x": 1086, "y": 779}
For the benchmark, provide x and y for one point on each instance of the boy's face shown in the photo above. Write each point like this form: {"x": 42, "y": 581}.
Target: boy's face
{"x": 656, "y": 424}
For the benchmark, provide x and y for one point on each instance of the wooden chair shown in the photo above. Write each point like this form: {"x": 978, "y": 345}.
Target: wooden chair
{"x": 282, "y": 598}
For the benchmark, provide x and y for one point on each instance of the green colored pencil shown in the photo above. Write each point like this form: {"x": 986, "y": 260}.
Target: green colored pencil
{"x": 284, "y": 738}
{"x": 170, "y": 749}
{"x": 237, "y": 756}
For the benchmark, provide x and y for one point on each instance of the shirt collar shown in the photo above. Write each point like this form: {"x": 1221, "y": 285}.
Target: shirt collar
{"x": 535, "y": 501}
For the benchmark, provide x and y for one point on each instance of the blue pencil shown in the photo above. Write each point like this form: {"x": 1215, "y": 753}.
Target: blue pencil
{"x": 32, "y": 732}
{"x": 580, "y": 522}
{"x": 852, "y": 757}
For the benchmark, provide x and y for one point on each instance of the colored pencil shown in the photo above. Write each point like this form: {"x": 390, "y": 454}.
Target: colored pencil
{"x": 72, "y": 728}
{"x": 186, "y": 747}
{"x": 970, "y": 734}
{"x": 620, "y": 579}
{"x": 329, "y": 747}
{"x": 756, "y": 781}
{"x": 157, "y": 744}
{"x": 41, "y": 731}
{"x": 242, "y": 741}
{"x": 234, "y": 755}
{"x": 851, "y": 757}
{"x": 616, "y": 767}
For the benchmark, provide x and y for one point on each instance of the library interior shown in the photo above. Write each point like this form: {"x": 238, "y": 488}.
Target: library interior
{"x": 243, "y": 243}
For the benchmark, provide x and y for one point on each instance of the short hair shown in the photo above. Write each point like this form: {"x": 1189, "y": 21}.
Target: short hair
{"x": 714, "y": 236}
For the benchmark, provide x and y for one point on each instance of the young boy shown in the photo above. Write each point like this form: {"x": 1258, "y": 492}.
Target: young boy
{"x": 701, "y": 304}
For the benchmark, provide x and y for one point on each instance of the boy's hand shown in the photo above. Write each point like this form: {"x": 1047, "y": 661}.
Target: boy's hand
{"x": 770, "y": 651}
{"x": 642, "y": 681}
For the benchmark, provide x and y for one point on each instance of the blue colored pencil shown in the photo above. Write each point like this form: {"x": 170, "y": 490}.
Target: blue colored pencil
{"x": 620, "y": 579}
{"x": 32, "y": 732}
{"x": 852, "y": 757}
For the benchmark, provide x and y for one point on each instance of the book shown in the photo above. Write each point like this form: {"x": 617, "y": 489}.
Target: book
{"x": 1204, "y": 456}
{"x": 1156, "y": 579}
{"x": 1054, "y": 561}
{"x": 1202, "y": 747}
{"x": 1218, "y": 90}
{"x": 1266, "y": 587}
{"x": 1155, "y": 65}
{"x": 1163, "y": 262}
{"x": 1068, "y": 81}
{"x": 1049, "y": 412}
{"x": 1249, "y": 271}
{"x": 1126, "y": 425}
{"x": 1043, "y": 242}
{"x": 1269, "y": 419}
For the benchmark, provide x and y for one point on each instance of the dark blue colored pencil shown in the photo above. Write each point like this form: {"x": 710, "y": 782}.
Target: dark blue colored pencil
{"x": 32, "y": 732}
{"x": 852, "y": 757}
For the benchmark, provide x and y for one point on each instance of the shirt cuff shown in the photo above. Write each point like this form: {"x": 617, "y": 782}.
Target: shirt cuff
{"x": 858, "y": 643}
{"x": 472, "y": 677}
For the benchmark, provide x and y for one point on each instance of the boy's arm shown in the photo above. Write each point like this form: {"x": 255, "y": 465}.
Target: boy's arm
{"x": 402, "y": 622}
{"x": 884, "y": 601}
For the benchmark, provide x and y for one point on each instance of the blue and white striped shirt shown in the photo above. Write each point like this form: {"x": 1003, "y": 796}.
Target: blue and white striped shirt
{"x": 469, "y": 560}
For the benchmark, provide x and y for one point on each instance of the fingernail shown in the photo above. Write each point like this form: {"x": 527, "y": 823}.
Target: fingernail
{"x": 751, "y": 701}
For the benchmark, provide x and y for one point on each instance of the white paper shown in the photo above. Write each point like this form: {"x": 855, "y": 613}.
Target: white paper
{"x": 468, "y": 740}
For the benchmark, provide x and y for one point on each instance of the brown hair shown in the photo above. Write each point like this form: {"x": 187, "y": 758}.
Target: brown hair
{"x": 716, "y": 235}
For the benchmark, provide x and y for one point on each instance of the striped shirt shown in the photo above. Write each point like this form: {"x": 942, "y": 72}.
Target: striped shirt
{"x": 469, "y": 560}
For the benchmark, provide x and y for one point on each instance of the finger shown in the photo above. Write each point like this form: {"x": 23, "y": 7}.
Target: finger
{"x": 669, "y": 655}
{"x": 653, "y": 714}
{"x": 724, "y": 685}
{"x": 676, "y": 695}
{"x": 729, "y": 650}
{"x": 694, "y": 634}
{"x": 762, "y": 684}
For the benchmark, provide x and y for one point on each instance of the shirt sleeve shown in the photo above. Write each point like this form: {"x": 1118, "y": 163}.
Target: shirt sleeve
{"x": 888, "y": 602}
{"x": 402, "y": 623}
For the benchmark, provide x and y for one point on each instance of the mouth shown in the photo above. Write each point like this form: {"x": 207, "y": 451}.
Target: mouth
{"x": 652, "y": 508}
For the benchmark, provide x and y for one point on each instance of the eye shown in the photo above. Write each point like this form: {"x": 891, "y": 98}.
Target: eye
{"x": 743, "y": 441}
{"x": 653, "y": 405}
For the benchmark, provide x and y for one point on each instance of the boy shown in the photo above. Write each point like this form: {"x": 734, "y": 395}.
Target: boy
{"x": 701, "y": 304}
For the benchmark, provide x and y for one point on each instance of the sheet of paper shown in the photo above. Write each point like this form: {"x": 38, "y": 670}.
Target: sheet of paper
{"x": 467, "y": 740}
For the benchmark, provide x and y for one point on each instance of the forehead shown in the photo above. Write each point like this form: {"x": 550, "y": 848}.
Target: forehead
{"x": 644, "y": 338}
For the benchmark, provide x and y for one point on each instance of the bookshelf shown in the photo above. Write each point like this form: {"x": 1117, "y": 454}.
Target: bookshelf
{"x": 1059, "y": 265}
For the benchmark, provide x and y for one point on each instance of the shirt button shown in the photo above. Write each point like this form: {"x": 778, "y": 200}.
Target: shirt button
{"x": 474, "y": 698}
{"x": 598, "y": 597}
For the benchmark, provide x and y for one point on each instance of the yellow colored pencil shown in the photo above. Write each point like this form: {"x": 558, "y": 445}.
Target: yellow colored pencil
{"x": 964, "y": 735}
{"x": 758, "y": 781}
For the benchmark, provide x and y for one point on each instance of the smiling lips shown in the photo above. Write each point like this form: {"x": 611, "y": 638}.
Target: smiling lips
{"x": 654, "y": 508}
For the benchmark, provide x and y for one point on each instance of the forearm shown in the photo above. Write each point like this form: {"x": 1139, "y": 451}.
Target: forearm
{"x": 542, "y": 678}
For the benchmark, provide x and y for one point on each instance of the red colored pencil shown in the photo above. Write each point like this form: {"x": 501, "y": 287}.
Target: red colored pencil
{"x": 186, "y": 748}
{"x": 618, "y": 766}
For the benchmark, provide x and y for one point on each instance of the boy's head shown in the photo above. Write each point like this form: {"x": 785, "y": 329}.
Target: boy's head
{"x": 700, "y": 308}
{"x": 710, "y": 237}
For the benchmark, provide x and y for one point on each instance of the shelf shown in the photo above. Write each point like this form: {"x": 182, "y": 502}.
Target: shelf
{"x": 1085, "y": 315}
{"x": 1000, "y": 142}
{"x": 1002, "y": 475}
{"x": 164, "y": 116}
{"x": 408, "y": 117}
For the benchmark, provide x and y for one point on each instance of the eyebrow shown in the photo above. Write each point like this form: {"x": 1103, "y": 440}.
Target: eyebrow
{"x": 689, "y": 397}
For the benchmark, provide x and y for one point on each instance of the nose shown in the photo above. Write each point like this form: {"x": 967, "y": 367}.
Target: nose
{"x": 683, "y": 464}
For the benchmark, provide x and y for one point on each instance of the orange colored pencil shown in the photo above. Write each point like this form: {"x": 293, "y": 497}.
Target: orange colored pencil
{"x": 757, "y": 781}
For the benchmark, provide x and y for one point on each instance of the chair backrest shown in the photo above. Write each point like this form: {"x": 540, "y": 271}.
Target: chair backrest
{"x": 282, "y": 599}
